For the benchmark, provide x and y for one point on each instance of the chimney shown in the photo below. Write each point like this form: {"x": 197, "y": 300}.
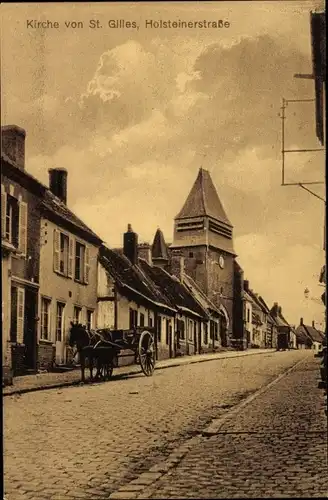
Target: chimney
{"x": 177, "y": 265}
{"x": 275, "y": 309}
{"x": 144, "y": 252}
{"x": 313, "y": 324}
{"x": 279, "y": 310}
{"x": 130, "y": 245}
{"x": 246, "y": 285}
{"x": 58, "y": 183}
{"x": 13, "y": 144}
{"x": 301, "y": 322}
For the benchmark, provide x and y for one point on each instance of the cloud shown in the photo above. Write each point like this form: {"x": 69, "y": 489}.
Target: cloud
{"x": 141, "y": 116}
{"x": 245, "y": 98}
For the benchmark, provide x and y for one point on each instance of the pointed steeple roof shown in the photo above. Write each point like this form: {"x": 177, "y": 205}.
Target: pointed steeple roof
{"x": 203, "y": 200}
{"x": 159, "y": 248}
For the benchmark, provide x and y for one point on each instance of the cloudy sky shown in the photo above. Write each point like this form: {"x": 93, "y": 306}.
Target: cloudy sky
{"x": 132, "y": 113}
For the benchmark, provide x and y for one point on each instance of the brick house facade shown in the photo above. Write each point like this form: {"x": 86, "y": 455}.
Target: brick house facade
{"x": 20, "y": 244}
{"x": 39, "y": 234}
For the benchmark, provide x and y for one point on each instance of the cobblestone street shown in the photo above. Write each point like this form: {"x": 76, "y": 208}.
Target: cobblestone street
{"x": 90, "y": 441}
{"x": 275, "y": 447}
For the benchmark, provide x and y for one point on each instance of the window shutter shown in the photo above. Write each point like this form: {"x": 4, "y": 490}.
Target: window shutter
{"x": 22, "y": 240}
{"x": 20, "y": 315}
{"x": 56, "y": 250}
{"x": 70, "y": 257}
{"x": 86, "y": 265}
{"x": 3, "y": 211}
{"x": 49, "y": 305}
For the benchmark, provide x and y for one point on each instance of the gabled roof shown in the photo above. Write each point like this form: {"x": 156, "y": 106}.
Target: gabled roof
{"x": 159, "y": 248}
{"x": 131, "y": 277}
{"x": 48, "y": 200}
{"x": 256, "y": 301}
{"x": 173, "y": 289}
{"x": 203, "y": 200}
{"x": 264, "y": 305}
{"x": 53, "y": 204}
{"x": 247, "y": 296}
{"x": 200, "y": 296}
{"x": 281, "y": 321}
{"x": 314, "y": 334}
{"x": 302, "y": 336}
{"x": 272, "y": 319}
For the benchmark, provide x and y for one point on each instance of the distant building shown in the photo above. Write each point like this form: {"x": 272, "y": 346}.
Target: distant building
{"x": 259, "y": 320}
{"x": 264, "y": 326}
{"x": 309, "y": 337}
{"x": 239, "y": 337}
{"x": 286, "y": 337}
{"x": 271, "y": 330}
{"x": 210, "y": 335}
{"x": 248, "y": 313}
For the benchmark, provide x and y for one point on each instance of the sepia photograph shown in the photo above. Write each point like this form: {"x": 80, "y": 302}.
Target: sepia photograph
{"x": 163, "y": 250}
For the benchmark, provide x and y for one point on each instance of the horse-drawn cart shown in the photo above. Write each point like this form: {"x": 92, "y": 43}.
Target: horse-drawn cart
{"x": 102, "y": 348}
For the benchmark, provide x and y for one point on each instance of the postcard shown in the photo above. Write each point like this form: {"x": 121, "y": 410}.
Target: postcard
{"x": 163, "y": 249}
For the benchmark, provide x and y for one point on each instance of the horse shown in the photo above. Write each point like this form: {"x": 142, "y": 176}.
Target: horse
{"x": 94, "y": 346}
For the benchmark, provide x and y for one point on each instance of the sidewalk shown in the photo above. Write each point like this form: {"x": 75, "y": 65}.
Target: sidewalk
{"x": 42, "y": 381}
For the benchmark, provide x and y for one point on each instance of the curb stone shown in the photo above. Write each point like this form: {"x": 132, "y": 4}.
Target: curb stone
{"x": 130, "y": 371}
{"x": 136, "y": 487}
{"x": 215, "y": 426}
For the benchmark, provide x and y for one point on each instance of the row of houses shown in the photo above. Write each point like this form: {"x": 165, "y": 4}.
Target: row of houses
{"x": 268, "y": 328}
{"x": 55, "y": 270}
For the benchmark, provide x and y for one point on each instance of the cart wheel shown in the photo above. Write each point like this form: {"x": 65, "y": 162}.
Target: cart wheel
{"x": 147, "y": 353}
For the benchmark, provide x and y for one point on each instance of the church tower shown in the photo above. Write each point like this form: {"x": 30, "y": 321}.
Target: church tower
{"x": 203, "y": 235}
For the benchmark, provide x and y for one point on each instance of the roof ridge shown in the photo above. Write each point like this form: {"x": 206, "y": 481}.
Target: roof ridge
{"x": 203, "y": 190}
{"x": 159, "y": 247}
{"x": 43, "y": 201}
{"x": 201, "y": 293}
{"x": 203, "y": 200}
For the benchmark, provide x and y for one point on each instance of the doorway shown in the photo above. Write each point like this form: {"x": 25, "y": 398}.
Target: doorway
{"x": 223, "y": 332}
{"x": 30, "y": 329}
{"x": 60, "y": 340}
